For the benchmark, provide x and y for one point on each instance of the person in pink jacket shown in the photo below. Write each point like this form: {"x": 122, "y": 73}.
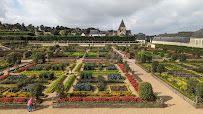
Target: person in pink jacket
{"x": 29, "y": 104}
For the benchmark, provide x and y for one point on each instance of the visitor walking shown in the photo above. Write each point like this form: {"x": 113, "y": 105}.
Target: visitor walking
{"x": 29, "y": 104}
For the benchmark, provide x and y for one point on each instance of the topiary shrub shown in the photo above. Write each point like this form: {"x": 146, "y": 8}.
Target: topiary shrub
{"x": 145, "y": 91}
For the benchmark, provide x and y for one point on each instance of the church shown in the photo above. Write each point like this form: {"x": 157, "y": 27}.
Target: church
{"x": 122, "y": 30}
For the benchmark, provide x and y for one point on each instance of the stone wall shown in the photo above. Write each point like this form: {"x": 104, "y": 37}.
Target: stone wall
{"x": 158, "y": 104}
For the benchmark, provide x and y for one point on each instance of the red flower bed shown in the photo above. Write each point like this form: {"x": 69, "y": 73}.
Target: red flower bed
{"x": 128, "y": 99}
{"x": 20, "y": 100}
{"x": 4, "y": 76}
{"x": 62, "y": 100}
{"x": 102, "y": 99}
{"x": 23, "y": 68}
{"x": 121, "y": 67}
{"x": 109, "y": 51}
{"x": 126, "y": 53}
{"x": 6, "y": 100}
{"x": 89, "y": 99}
{"x": 114, "y": 99}
{"x": 60, "y": 52}
{"x": 75, "y": 99}
{"x": 132, "y": 81}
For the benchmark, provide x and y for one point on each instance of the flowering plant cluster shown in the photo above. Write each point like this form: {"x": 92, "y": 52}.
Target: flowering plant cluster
{"x": 61, "y": 62}
{"x": 14, "y": 100}
{"x": 95, "y": 57}
{"x": 23, "y": 68}
{"x": 104, "y": 62}
{"x": 69, "y": 57}
{"x": 190, "y": 56}
{"x": 4, "y": 76}
{"x": 126, "y": 53}
{"x": 101, "y": 99}
{"x": 18, "y": 50}
{"x": 121, "y": 67}
{"x": 60, "y": 52}
{"x": 132, "y": 81}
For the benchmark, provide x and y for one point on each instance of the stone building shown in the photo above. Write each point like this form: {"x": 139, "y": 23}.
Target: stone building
{"x": 190, "y": 39}
{"x": 121, "y": 30}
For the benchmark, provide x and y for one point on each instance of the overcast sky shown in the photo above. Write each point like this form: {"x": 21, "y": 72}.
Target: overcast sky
{"x": 141, "y": 16}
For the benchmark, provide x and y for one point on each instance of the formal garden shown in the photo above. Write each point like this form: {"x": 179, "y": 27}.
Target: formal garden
{"x": 76, "y": 74}
{"x": 177, "y": 67}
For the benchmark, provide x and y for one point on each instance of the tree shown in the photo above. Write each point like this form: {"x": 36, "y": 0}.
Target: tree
{"x": 119, "y": 59}
{"x": 36, "y": 90}
{"x": 143, "y": 58}
{"x": 100, "y": 66}
{"x": 183, "y": 58}
{"x": 154, "y": 66}
{"x": 126, "y": 66}
{"x": 108, "y": 56}
{"x": 13, "y": 57}
{"x": 60, "y": 90}
{"x": 38, "y": 56}
{"x": 199, "y": 90}
{"x": 162, "y": 54}
{"x": 145, "y": 91}
{"x": 179, "y": 51}
{"x": 174, "y": 57}
{"x": 160, "y": 68}
{"x": 191, "y": 85}
{"x": 49, "y": 55}
{"x": 169, "y": 54}
{"x": 62, "y": 33}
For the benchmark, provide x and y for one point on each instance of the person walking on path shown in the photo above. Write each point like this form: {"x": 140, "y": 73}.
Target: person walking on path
{"x": 29, "y": 104}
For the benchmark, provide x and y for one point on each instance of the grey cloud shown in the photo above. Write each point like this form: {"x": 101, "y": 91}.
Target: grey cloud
{"x": 146, "y": 16}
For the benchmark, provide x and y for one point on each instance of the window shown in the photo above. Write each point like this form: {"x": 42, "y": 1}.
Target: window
{"x": 196, "y": 42}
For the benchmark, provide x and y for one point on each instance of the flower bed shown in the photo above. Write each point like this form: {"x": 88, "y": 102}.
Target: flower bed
{"x": 127, "y": 54}
{"x": 78, "y": 67}
{"x": 104, "y": 62}
{"x": 30, "y": 73}
{"x": 4, "y": 76}
{"x": 60, "y": 62}
{"x": 71, "y": 67}
{"x": 118, "y": 88}
{"x": 52, "y": 87}
{"x": 121, "y": 67}
{"x": 69, "y": 82}
{"x": 23, "y": 68}
{"x": 132, "y": 81}
{"x": 94, "y": 57}
{"x": 101, "y": 99}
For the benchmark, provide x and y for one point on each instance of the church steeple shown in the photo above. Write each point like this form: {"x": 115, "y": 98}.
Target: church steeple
{"x": 122, "y": 24}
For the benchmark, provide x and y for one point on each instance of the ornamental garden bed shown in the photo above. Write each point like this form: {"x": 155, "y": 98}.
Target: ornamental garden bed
{"x": 106, "y": 102}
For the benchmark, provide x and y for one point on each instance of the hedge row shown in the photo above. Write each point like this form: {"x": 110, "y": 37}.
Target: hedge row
{"x": 69, "y": 82}
{"x": 52, "y": 87}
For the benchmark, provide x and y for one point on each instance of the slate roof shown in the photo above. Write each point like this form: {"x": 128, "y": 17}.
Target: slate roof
{"x": 141, "y": 37}
{"x": 173, "y": 39}
{"x": 94, "y": 32}
{"x": 180, "y": 34}
{"x": 198, "y": 34}
{"x": 122, "y": 24}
